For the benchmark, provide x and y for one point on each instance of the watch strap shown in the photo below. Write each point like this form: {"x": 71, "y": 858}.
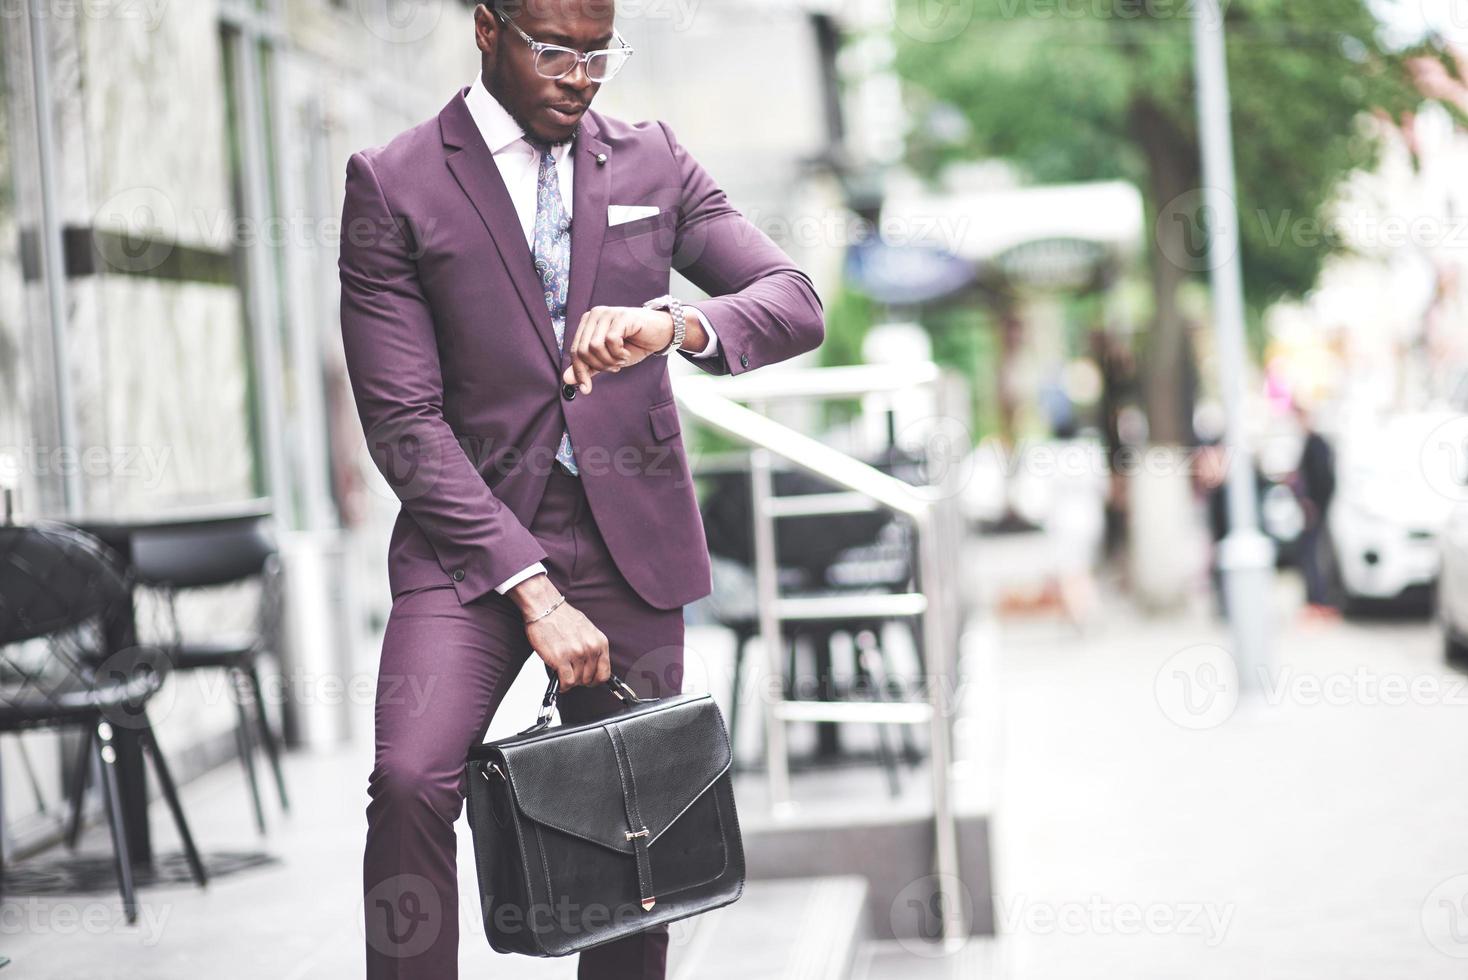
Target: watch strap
{"x": 672, "y": 305}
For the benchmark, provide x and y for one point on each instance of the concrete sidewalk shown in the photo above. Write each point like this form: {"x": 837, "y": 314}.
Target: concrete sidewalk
{"x": 1149, "y": 824}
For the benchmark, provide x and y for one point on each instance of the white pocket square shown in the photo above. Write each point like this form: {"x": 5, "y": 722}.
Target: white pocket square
{"x": 620, "y": 214}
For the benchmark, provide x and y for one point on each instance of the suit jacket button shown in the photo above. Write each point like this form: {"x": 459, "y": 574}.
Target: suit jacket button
{"x": 744, "y": 360}
{"x": 458, "y": 575}
{"x": 568, "y": 392}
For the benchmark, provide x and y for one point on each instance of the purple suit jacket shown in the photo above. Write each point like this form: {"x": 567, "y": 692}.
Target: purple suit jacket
{"x": 454, "y": 364}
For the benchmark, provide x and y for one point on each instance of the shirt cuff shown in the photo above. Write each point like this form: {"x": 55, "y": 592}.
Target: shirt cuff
{"x": 519, "y": 577}
{"x": 712, "y": 347}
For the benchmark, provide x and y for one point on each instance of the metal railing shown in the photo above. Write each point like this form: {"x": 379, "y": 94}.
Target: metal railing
{"x": 932, "y": 509}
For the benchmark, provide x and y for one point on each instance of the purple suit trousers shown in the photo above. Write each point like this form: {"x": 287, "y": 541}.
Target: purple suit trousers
{"x": 445, "y": 667}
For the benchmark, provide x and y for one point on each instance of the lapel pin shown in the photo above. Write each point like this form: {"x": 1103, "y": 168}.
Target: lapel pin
{"x": 601, "y": 159}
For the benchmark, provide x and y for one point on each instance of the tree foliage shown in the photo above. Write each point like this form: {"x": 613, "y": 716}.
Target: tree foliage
{"x": 1074, "y": 90}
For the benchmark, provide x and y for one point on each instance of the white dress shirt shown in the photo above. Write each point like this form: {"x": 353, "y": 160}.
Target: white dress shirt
{"x": 519, "y": 166}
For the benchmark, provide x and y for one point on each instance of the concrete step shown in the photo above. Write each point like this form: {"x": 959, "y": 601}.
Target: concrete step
{"x": 794, "y": 929}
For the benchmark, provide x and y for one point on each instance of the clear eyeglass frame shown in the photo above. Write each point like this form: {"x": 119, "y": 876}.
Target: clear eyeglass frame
{"x": 611, "y": 60}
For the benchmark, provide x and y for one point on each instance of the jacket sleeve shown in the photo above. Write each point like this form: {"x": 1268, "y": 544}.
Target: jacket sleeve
{"x": 392, "y": 359}
{"x": 766, "y": 309}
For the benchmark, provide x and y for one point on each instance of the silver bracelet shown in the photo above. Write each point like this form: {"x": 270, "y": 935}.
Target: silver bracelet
{"x": 548, "y": 610}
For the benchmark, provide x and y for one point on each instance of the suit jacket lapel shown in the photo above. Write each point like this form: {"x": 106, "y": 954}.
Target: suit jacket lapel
{"x": 591, "y": 187}
{"x": 474, "y": 168}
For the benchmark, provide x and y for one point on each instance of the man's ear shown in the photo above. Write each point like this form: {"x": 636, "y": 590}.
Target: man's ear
{"x": 486, "y": 30}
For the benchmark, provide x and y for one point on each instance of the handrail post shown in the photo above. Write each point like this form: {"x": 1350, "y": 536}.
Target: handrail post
{"x": 937, "y": 663}
{"x": 767, "y": 590}
{"x": 938, "y": 521}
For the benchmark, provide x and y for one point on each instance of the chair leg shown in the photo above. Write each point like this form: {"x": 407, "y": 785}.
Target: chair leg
{"x": 106, "y": 756}
{"x": 865, "y": 662}
{"x": 245, "y": 745}
{"x": 79, "y": 788}
{"x": 30, "y": 772}
{"x": 267, "y": 736}
{"x": 170, "y": 795}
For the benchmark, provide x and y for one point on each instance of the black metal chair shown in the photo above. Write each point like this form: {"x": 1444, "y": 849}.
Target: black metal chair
{"x": 59, "y": 590}
{"x": 171, "y": 560}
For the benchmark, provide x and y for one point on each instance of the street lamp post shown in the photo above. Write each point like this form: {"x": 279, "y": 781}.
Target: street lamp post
{"x": 1246, "y": 556}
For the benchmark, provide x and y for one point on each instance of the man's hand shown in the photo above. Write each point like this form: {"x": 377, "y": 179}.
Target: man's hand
{"x": 566, "y": 640}
{"x": 610, "y": 338}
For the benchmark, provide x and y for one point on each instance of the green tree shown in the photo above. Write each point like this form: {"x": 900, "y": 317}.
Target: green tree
{"x": 1093, "y": 91}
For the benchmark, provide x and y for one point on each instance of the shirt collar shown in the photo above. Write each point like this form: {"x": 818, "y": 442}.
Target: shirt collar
{"x": 497, "y": 126}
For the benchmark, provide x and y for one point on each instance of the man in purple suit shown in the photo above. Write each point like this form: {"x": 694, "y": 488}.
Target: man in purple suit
{"x": 505, "y": 271}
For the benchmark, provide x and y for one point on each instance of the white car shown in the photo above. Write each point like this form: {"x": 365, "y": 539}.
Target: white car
{"x": 1392, "y": 503}
{"x": 1452, "y": 586}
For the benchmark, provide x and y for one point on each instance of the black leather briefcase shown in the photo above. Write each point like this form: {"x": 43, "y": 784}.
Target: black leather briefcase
{"x": 588, "y": 833}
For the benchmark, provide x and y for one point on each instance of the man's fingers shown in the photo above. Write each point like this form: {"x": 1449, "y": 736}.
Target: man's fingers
{"x": 617, "y": 348}
{"x": 588, "y": 667}
{"x": 596, "y": 344}
{"x": 603, "y": 669}
{"x": 581, "y": 345}
{"x": 567, "y": 673}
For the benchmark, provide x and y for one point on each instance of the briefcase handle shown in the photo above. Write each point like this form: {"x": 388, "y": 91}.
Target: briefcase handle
{"x": 618, "y": 687}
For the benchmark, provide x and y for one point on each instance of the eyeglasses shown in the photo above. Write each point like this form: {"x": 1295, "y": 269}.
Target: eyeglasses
{"x": 554, "y": 61}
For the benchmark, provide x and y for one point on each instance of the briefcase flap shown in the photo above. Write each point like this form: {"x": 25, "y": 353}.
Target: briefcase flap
{"x": 569, "y": 778}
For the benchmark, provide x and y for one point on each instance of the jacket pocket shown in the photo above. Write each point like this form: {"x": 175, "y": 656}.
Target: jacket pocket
{"x": 641, "y": 226}
{"x": 663, "y": 418}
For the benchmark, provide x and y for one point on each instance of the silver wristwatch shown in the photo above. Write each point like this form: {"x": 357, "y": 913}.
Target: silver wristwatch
{"x": 680, "y": 324}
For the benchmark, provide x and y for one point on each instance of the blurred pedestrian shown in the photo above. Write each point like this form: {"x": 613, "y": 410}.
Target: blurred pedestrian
{"x": 1314, "y": 486}
{"x": 474, "y": 309}
{"x": 1075, "y": 524}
